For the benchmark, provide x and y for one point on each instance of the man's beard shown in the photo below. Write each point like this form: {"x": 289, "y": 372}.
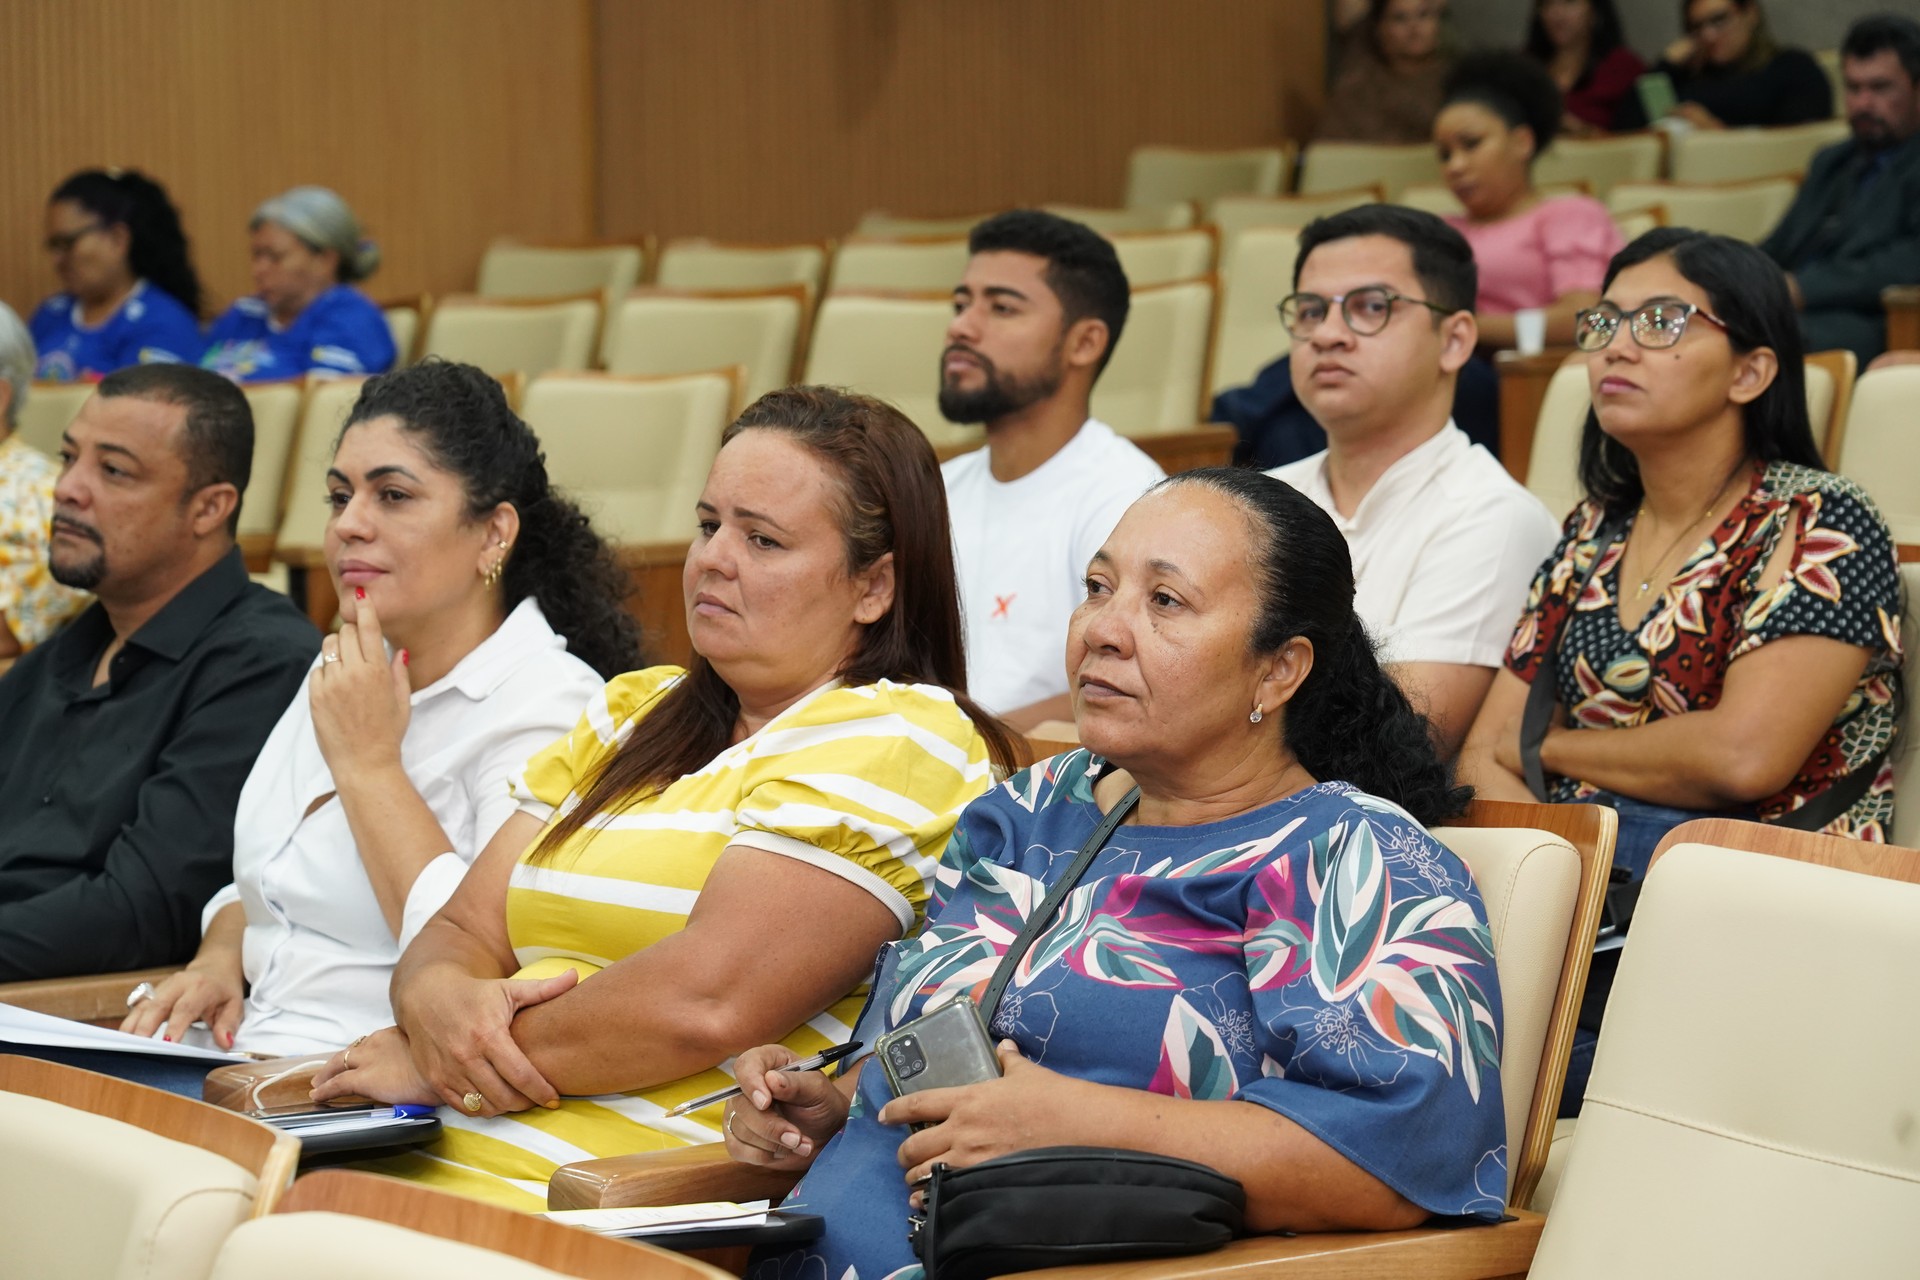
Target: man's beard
{"x": 86, "y": 574}
{"x": 997, "y": 397}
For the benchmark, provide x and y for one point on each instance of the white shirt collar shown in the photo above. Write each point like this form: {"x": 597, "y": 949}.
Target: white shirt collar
{"x": 523, "y": 633}
{"x": 1400, "y": 482}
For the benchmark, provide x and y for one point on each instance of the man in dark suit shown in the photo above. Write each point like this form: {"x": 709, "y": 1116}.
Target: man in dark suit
{"x": 1855, "y": 226}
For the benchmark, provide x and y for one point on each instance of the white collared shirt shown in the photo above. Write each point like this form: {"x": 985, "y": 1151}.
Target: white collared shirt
{"x": 1445, "y": 545}
{"x": 318, "y": 953}
{"x": 1022, "y": 549}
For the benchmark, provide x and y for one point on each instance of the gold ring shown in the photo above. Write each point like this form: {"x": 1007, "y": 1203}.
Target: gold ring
{"x": 473, "y": 1101}
{"x": 346, "y": 1058}
{"x": 727, "y": 1125}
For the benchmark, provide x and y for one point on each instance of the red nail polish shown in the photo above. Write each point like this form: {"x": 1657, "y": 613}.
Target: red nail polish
{"x": 404, "y": 659}
{"x": 359, "y": 593}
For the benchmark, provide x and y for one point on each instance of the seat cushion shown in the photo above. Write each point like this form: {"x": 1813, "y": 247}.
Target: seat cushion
{"x": 84, "y": 1197}
{"x": 332, "y": 1246}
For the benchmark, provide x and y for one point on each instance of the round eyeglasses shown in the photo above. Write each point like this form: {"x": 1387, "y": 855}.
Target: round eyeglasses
{"x": 1366, "y": 311}
{"x": 1656, "y": 326}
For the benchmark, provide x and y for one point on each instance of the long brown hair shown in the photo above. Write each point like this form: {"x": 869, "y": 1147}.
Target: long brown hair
{"x": 891, "y": 500}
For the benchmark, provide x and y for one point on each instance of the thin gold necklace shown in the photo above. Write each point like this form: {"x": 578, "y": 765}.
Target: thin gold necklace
{"x": 1646, "y": 583}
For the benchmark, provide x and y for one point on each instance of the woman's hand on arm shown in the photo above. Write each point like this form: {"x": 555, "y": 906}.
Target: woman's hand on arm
{"x": 211, "y": 989}
{"x": 361, "y": 705}
{"x": 1490, "y": 757}
{"x": 376, "y": 1066}
{"x": 783, "y": 1118}
{"x": 1293, "y": 1180}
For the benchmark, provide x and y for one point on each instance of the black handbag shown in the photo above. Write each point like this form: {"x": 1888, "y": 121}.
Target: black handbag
{"x": 1057, "y": 1206}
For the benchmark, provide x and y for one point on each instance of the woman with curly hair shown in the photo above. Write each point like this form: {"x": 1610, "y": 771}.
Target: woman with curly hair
{"x": 129, "y": 293}
{"x": 481, "y": 612}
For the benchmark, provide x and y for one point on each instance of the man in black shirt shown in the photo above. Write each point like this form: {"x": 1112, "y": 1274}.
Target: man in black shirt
{"x": 124, "y": 741}
{"x": 1854, "y": 228}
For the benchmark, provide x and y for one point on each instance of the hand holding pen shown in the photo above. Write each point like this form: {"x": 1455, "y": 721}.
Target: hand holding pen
{"x": 785, "y": 1113}
{"x": 824, "y": 1058}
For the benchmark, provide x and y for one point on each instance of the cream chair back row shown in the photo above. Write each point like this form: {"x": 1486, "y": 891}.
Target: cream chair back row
{"x": 513, "y": 270}
{"x": 43, "y": 415}
{"x": 1878, "y": 447}
{"x": 1167, "y": 175}
{"x": 1737, "y": 155}
{"x": 713, "y": 264}
{"x": 1744, "y": 210}
{"x": 1233, "y": 216}
{"x": 664, "y": 331}
{"x": 525, "y": 335}
{"x": 1249, "y": 335}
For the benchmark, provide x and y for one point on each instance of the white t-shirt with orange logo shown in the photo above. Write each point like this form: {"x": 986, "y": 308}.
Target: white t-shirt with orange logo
{"x": 1022, "y": 550}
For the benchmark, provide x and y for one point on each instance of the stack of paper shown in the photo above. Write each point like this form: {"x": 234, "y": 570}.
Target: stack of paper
{"x": 23, "y": 1026}
{"x": 664, "y": 1219}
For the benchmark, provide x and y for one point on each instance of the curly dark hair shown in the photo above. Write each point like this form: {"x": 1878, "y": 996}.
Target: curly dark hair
{"x": 1513, "y": 87}
{"x": 157, "y": 245}
{"x": 460, "y": 415}
{"x": 1083, "y": 269}
{"x": 1348, "y": 721}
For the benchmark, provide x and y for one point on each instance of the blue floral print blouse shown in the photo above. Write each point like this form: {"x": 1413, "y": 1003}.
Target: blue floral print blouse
{"x": 1323, "y": 956}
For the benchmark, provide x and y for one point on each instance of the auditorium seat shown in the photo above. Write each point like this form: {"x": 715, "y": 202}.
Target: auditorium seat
{"x": 1248, "y": 335}
{"x": 1878, "y": 446}
{"x": 403, "y": 322}
{"x": 1637, "y": 223}
{"x": 1749, "y": 1108}
{"x": 1157, "y": 377}
{"x": 693, "y": 263}
{"x": 47, "y": 410}
{"x": 513, "y": 270}
{"x": 1744, "y": 210}
{"x": 1341, "y": 166}
{"x": 1160, "y": 257}
{"x": 1906, "y": 760}
{"x": 679, "y": 330}
{"x": 888, "y": 345}
{"x": 1233, "y": 215}
{"x": 1741, "y": 155}
{"x": 276, "y": 423}
{"x": 528, "y": 335}
{"x": 633, "y": 451}
{"x": 101, "y": 1179}
{"x": 913, "y": 265}
{"x": 1603, "y": 162}
{"x": 345, "y": 1225}
{"x": 1166, "y": 175}
{"x": 1175, "y": 216}
{"x": 881, "y": 225}
{"x": 1830, "y": 379}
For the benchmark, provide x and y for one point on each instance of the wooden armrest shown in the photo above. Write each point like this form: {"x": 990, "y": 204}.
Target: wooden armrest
{"x": 275, "y": 1086}
{"x": 1209, "y": 445}
{"x": 99, "y": 998}
{"x": 1902, "y": 302}
{"x": 1432, "y": 1253}
{"x": 684, "y": 1175}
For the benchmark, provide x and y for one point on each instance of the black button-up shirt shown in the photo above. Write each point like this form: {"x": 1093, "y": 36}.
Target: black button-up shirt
{"x": 117, "y": 802}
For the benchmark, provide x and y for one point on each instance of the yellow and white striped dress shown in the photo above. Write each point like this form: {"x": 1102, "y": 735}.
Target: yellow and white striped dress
{"x": 863, "y": 781}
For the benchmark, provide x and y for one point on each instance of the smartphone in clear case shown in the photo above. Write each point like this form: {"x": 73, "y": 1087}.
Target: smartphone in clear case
{"x": 938, "y": 1050}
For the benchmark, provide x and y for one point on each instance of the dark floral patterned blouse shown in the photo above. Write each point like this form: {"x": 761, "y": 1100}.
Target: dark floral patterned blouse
{"x": 1843, "y": 582}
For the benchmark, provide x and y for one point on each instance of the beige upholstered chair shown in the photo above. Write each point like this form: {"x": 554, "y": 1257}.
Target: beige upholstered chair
{"x": 1906, "y": 760}
{"x": 633, "y": 451}
{"x": 337, "y": 1225}
{"x": 1175, "y": 216}
{"x": 47, "y": 410}
{"x": 714, "y": 264}
{"x": 101, "y": 1179}
{"x": 888, "y": 345}
{"x": 678, "y": 330}
{"x": 1744, "y": 210}
{"x": 1249, "y": 335}
{"x": 276, "y": 423}
{"x": 1637, "y": 223}
{"x": 1603, "y": 162}
{"x": 1830, "y": 378}
{"x": 1340, "y": 166}
{"x": 1747, "y": 1110}
{"x": 880, "y": 225}
{"x": 1166, "y": 175}
{"x": 1542, "y": 872}
{"x": 405, "y": 317}
{"x": 1739, "y": 155}
{"x": 511, "y": 270}
{"x": 1160, "y": 257}
{"x": 1233, "y": 215}
{"x": 915, "y": 265}
{"x": 304, "y": 525}
{"x": 1877, "y": 449}
{"x": 528, "y": 335}
{"x": 1157, "y": 378}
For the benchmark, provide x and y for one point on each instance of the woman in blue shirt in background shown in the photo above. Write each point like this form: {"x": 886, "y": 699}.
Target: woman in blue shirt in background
{"x": 307, "y": 253}
{"x": 129, "y": 292}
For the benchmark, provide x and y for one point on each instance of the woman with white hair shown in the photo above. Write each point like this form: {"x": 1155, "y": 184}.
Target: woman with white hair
{"x": 32, "y": 604}
{"x": 307, "y": 254}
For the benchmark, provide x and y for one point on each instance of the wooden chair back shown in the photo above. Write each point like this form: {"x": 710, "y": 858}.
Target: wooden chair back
{"x": 1866, "y": 857}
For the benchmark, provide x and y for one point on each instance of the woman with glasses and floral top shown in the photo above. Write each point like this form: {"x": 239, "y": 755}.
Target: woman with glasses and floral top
{"x": 1728, "y": 73}
{"x": 1720, "y": 622}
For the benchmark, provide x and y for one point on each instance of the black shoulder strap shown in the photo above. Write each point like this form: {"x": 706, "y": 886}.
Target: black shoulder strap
{"x": 1544, "y": 693}
{"x": 1043, "y": 914}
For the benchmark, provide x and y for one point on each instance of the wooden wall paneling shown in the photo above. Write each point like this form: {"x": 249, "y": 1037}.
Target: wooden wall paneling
{"x": 443, "y": 122}
{"x": 755, "y": 121}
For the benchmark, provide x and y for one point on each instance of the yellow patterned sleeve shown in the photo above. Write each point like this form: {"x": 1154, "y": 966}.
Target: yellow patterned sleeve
{"x": 555, "y": 772}
{"x": 866, "y": 782}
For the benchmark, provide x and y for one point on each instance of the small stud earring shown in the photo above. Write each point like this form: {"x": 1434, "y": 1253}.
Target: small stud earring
{"x": 1257, "y": 715}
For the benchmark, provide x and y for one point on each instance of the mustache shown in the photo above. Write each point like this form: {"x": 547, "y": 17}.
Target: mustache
{"x": 63, "y": 524}
{"x": 956, "y": 349}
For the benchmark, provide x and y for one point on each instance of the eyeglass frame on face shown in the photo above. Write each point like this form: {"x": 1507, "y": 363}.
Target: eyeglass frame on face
{"x": 1713, "y": 22}
{"x": 62, "y": 244}
{"x": 1583, "y": 326}
{"x": 1343, "y": 300}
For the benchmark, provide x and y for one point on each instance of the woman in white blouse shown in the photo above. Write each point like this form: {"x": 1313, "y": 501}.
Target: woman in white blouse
{"x": 478, "y": 606}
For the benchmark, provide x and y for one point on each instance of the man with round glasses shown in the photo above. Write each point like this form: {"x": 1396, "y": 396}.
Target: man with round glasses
{"x": 1444, "y": 541}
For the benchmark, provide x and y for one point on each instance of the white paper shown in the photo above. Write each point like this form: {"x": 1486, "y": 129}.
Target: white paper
{"x": 347, "y": 1124}
{"x": 664, "y": 1219}
{"x": 24, "y": 1026}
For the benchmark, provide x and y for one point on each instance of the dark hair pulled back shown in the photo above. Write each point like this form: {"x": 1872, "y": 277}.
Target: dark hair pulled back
{"x": 1348, "y": 721}
{"x": 157, "y": 244}
{"x": 460, "y": 416}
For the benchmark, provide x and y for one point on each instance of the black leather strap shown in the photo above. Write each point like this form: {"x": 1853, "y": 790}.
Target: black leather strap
{"x": 1544, "y": 693}
{"x": 1043, "y": 914}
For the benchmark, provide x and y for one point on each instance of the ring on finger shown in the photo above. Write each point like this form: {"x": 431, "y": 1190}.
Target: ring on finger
{"x": 142, "y": 992}
{"x": 326, "y": 658}
{"x": 472, "y": 1100}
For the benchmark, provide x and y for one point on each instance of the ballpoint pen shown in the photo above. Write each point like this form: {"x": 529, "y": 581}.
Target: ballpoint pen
{"x": 405, "y": 1111}
{"x": 814, "y": 1063}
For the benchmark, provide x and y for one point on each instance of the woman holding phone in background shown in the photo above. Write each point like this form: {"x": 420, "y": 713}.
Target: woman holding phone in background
{"x": 1728, "y": 73}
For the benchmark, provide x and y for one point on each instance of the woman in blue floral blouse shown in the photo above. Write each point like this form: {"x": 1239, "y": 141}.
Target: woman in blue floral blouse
{"x": 1271, "y": 967}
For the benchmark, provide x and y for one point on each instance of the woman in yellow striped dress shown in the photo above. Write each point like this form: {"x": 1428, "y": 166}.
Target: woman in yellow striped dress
{"x": 722, "y": 850}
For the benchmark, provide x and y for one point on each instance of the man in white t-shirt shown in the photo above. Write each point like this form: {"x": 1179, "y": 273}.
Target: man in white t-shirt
{"x": 1444, "y": 541}
{"x": 1035, "y": 319}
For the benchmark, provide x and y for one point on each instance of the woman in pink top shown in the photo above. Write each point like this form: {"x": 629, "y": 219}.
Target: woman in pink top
{"x": 1534, "y": 254}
